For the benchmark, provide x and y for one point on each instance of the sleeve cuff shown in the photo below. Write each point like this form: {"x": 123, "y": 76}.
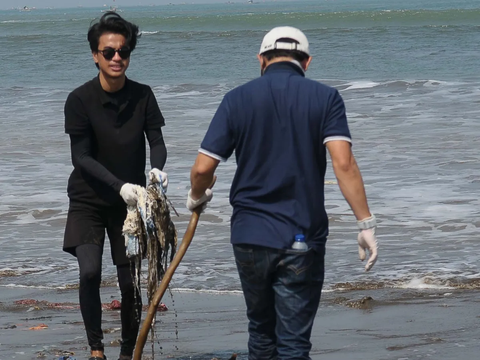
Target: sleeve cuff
{"x": 118, "y": 186}
{"x": 212, "y": 155}
{"x": 336, "y": 138}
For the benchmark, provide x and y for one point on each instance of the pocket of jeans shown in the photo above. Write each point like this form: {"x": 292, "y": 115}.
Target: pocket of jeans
{"x": 245, "y": 261}
{"x": 303, "y": 264}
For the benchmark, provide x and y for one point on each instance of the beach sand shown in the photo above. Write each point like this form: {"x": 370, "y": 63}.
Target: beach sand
{"x": 404, "y": 324}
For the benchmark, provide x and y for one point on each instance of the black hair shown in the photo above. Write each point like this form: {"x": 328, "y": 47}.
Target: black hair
{"x": 294, "y": 54}
{"x": 111, "y": 22}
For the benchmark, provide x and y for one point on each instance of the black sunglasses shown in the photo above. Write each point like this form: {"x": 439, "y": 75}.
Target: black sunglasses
{"x": 108, "y": 53}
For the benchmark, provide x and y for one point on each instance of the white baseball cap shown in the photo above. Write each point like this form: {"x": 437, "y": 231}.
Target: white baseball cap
{"x": 270, "y": 41}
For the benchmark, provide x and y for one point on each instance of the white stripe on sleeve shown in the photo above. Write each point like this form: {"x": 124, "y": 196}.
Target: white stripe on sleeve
{"x": 334, "y": 138}
{"x": 212, "y": 155}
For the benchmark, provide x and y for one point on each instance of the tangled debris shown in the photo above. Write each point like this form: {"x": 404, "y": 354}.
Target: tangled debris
{"x": 150, "y": 234}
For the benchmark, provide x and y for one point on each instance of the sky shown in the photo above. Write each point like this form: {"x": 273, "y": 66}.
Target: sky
{"x": 9, "y": 4}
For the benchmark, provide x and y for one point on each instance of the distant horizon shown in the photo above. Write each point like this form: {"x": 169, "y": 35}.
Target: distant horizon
{"x": 57, "y": 4}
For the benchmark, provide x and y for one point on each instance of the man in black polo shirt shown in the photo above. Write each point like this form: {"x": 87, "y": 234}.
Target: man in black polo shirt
{"x": 107, "y": 119}
{"x": 280, "y": 126}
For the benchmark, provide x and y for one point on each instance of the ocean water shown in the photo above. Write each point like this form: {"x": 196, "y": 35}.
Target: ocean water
{"x": 409, "y": 75}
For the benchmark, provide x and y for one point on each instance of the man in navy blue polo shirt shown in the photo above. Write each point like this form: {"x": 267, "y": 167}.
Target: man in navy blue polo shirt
{"x": 280, "y": 126}
{"x": 107, "y": 120}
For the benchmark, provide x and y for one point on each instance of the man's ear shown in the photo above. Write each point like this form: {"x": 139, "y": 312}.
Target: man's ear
{"x": 306, "y": 63}
{"x": 261, "y": 60}
{"x": 263, "y": 63}
{"x": 95, "y": 57}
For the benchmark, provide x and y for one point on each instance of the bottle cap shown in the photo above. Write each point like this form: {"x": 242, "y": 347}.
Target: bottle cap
{"x": 299, "y": 237}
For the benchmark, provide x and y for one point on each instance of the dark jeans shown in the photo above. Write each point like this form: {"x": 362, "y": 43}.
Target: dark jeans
{"x": 90, "y": 262}
{"x": 282, "y": 293}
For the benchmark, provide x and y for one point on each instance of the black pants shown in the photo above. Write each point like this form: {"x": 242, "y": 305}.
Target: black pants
{"x": 86, "y": 224}
{"x": 90, "y": 262}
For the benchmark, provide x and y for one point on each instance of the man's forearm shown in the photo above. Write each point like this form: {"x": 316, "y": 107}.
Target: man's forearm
{"x": 158, "y": 150}
{"x": 200, "y": 183}
{"x": 201, "y": 175}
{"x": 351, "y": 184}
{"x": 158, "y": 155}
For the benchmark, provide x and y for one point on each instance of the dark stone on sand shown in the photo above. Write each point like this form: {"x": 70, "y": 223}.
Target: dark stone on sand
{"x": 364, "y": 303}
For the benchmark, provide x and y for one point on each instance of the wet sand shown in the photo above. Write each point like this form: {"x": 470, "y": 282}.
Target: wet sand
{"x": 404, "y": 324}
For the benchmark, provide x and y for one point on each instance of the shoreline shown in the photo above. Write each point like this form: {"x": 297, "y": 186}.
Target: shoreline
{"x": 351, "y": 325}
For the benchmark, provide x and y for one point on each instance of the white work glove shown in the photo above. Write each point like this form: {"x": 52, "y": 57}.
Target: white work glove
{"x": 160, "y": 177}
{"x": 129, "y": 194}
{"x": 193, "y": 204}
{"x": 368, "y": 241}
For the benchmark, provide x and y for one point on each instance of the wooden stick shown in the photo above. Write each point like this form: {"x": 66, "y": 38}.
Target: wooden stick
{"x": 152, "y": 309}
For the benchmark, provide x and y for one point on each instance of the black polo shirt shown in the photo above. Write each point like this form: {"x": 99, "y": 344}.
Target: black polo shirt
{"x": 107, "y": 132}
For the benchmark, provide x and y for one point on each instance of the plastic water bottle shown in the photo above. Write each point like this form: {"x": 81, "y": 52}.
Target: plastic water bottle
{"x": 300, "y": 243}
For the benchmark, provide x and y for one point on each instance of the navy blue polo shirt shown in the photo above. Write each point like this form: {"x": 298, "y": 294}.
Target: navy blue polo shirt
{"x": 278, "y": 125}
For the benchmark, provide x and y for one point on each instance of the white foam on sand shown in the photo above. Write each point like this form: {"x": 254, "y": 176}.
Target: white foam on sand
{"x": 419, "y": 283}
{"x": 206, "y": 291}
{"x": 18, "y": 286}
